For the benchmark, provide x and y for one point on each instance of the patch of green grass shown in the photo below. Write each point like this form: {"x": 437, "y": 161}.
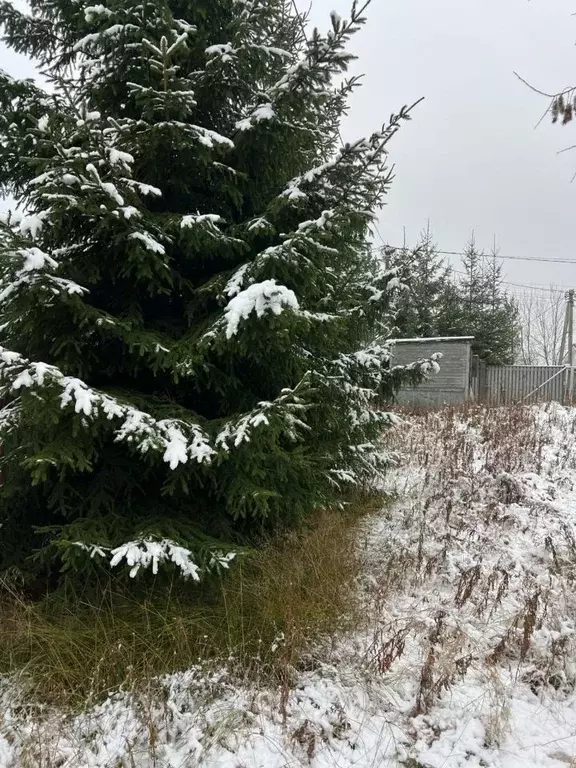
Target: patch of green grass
{"x": 262, "y": 617}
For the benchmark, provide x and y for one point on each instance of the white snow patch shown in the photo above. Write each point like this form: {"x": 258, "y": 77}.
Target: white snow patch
{"x": 43, "y": 123}
{"x": 222, "y": 49}
{"x": 143, "y": 189}
{"x": 118, "y": 157}
{"x": 150, "y": 243}
{"x": 32, "y": 225}
{"x": 93, "y": 11}
{"x": 130, "y": 212}
{"x": 192, "y": 220}
{"x": 35, "y": 259}
{"x": 234, "y": 285}
{"x": 262, "y": 113}
{"x": 149, "y": 554}
{"x": 260, "y": 298}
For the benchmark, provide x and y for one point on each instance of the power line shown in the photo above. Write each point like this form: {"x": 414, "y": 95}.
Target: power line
{"x": 536, "y": 287}
{"x": 539, "y": 259}
{"x": 543, "y": 314}
{"x": 550, "y": 287}
{"x": 539, "y": 293}
{"x": 531, "y": 286}
{"x": 542, "y": 259}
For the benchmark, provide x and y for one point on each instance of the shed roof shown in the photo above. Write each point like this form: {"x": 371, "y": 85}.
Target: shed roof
{"x": 425, "y": 339}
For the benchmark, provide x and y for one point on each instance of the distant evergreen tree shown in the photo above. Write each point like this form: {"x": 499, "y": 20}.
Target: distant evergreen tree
{"x": 474, "y": 287}
{"x": 436, "y": 303}
{"x": 452, "y": 316}
{"x": 426, "y": 277}
{"x": 502, "y": 320}
{"x": 488, "y": 313}
{"x": 188, "y": 297}
{"x": 494, "y": 278}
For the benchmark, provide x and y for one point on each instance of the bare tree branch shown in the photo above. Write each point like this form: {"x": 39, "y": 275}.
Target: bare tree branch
{"x": 566, "y": 90}
{"x": 541, "y": 320}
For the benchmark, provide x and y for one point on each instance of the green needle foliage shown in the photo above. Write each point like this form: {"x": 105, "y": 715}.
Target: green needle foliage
{"x": 189, "y": 304}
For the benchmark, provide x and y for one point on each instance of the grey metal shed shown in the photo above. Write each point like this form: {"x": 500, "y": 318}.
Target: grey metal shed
{"x": 452, "y": 384}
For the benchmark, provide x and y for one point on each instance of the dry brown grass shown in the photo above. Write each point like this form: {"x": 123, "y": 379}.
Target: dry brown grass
{"x": 262, "y": 619}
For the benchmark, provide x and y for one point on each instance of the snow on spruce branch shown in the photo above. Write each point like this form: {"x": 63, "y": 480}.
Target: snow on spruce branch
{"x": 209, "y": 224}
{"x": 286, "y": 408}
{"x": 362, "y": 161}
{"x": 92, "y": 12}
{"x": 426, "y": 366}
{"x": 261, "y": 298}
{"x": 261, "y": 114}
{"x": 35, "y": 271}
{"x": 323, "y": 58}
{"x": 209, "y": 221}
{"x": 178, "y": 441}
{"x": 148, "y": 554}
{"x": 354, "y": 161}
{"x": 368, "y": 359}
{"x": 287, "y": 249}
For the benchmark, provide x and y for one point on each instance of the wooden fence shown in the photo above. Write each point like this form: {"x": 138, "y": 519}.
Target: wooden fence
{"x": 524, "y": 383}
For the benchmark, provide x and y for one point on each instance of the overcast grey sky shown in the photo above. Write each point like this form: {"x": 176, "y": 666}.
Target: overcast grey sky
{"x": 471, "y": 158}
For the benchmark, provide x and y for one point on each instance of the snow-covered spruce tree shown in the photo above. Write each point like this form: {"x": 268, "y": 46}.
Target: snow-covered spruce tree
{"x": 424, "y": 272}
{"x": 188, "y": 301}
{"x": 488, "y": 313}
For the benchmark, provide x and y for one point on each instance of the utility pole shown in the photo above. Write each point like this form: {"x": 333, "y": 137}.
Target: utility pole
{"x": 562, "y": 354}
{"x": 570, "y": 334}
{"x": 567, "y": 347}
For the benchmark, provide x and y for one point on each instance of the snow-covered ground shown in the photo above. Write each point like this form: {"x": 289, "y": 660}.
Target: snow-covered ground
{"x": 466, "y": 657}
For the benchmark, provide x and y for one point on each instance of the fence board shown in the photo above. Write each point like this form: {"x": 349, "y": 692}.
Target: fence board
{"x": 512, "y": 383}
